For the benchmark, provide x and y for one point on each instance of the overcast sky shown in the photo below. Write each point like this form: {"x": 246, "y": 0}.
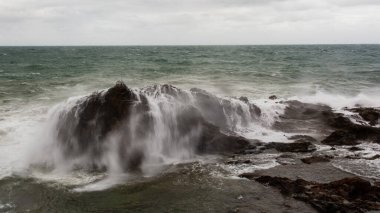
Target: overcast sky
{"x": 146, "y": 22}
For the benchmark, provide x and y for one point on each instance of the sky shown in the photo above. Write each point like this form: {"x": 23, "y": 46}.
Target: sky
{"x": 188, "y": 22}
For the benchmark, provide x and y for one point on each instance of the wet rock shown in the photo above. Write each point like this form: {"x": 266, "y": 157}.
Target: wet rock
{"x": 346, "y": 195}
{"x": 316, "y": 159}
{"x": 286, "y": 159}
{"x": 241, "y": 161}
{"x": 300, "y": 145}
{"x": 244, "y": 99}
{"x": 355, "y": 149}
{"x": 373, "y": 157}
{"x": 84, "y": 129}
{"x": 287, "y": 155}
{"x": 355, "y": 157}
{"x": 371, "y": 115}
{"x": 303, "y": 117}
{"x": 303, "y": 137}
{"x": 214, "y": 141}
{"x": 349, "y": 133}
{"x": 211, "y": 107}
{"x": 272, "y": 97}
{"x": 91, "y": 120}
{"x": 341, "y": 137}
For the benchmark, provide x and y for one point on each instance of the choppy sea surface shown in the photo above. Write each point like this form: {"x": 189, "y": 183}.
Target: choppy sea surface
{"x": 34, "y": 80}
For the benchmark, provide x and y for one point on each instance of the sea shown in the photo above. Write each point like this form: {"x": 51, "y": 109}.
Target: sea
{"x": 37, "y": 81}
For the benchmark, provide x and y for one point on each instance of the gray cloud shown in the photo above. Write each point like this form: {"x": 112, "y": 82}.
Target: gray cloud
{"x": 87, "y": 22}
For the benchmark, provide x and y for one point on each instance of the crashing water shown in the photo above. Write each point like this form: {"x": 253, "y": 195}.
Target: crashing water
{"x": 168, "y": 131}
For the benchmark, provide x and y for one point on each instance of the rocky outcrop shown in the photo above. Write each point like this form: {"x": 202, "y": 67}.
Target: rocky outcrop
{"x": 92, "y": 118}
{"x": 303, "y": 117}
{"x": 346, "y": 195}
{"x": 86, "y": 127}
{"x": 372, "y": 115}
{"x": 349, "y": 133}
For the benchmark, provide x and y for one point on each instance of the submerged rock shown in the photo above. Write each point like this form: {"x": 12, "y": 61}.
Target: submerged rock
{"x": 346, "y": 195}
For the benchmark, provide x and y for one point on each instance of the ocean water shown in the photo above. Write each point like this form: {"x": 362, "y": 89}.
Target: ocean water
{"x": 34, "y": 81}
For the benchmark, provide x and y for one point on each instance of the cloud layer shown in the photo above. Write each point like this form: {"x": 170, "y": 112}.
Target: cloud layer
{"x": 144, "y": 22}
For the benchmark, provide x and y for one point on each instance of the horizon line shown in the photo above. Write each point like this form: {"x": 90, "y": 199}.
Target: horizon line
{"x": 174, "y": 45}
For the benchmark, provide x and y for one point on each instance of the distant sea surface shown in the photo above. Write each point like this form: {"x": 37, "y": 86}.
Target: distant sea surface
{"x": 30, "y": 73}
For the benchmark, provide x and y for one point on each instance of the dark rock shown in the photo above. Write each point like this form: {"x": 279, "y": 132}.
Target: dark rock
{"x": 239, "y": 162}
{"x": 355, "y": 148}
{"x": 341, "y": 137}
{"x": 272, "y": 97}
{"x": 214, "y": 141}
{"x": 287, "y": 155}
{"x": 249, "y": 175}
{"x": 371, "y": 115}
{"x": 305, "y": 111}
{"x": 349, "y": 133}
{"x": 92, "y": 119}
{"x": 250, "y": 151}
{"x": 315, "y": 159}
{"x": 254, "y": 110}
{"x": 244, "y": 99}
{"x": 300, "y": 145}
{"x": 302, "y": 117}
{"x": 346, "y": 195}
{"x": 303, "y": 137}
{"x": 373, "y": 157}
{"x": 355, "y": 157}
{"x": 84, "y": 128}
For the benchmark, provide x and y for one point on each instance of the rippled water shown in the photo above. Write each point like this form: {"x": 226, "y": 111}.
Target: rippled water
{"x": 34, "y": 79}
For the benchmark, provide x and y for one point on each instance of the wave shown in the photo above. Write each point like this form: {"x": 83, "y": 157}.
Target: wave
{"x": 339, "y": 101}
